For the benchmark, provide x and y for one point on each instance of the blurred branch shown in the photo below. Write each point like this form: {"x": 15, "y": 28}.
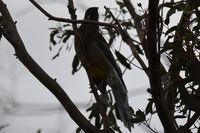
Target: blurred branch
{"x": 9, "y": 31}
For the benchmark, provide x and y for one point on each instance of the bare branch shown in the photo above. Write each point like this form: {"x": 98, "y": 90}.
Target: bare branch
{"x": 9, "y": 31}
{"x": 73, "y": 21}
{"x": 135, "y": 17}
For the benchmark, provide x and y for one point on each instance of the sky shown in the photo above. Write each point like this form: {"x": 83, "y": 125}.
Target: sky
{"x": 25, "y": 104}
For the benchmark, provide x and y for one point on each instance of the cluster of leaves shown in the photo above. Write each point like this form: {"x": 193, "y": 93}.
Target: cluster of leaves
{"x": 182, "y": 47}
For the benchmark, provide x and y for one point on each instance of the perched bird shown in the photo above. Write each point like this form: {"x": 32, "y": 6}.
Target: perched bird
{"x": 97, "y": 59}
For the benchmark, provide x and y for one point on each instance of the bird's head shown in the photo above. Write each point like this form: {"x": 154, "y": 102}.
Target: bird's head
{"x": 92, "y": 14}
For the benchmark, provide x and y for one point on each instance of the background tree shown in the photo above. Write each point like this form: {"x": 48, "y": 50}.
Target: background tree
{"x": 174, "y": 88}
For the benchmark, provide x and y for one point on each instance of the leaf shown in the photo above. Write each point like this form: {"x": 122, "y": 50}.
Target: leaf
{"x": 174, "y": 28}
{"x": 67, "y": 35}
{"x": 121, "y": 4}
{"x": 136, "y": 120}
{"x": 98, "y": 121}
{"x": 58, "y": 53}
{"x": 75, "y": 64}
{"x": 139, "y": 4}
{"x": 140, "y": 115}
{"x": 169, "y": 13}
{"x": 112, "y": 119}
{"x": 169, "y": 46}
{"x": 52, "y": 35}
{"x": 188, "y": 23}
{"x": 149, "y": 108}
{"x": 139, "y": 49}
{"x": 78, "y": 130}
{"x": 122, "y": 59}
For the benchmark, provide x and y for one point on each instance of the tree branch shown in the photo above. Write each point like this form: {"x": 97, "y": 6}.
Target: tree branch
{"x": 155, "y": 68}
{"x": 73, "y": 21}
{"x": 9, "y": 31}
{"x": 136, "y": 18}
{"x": 191, "y": 121}
{"x": 138, "y": 25}
{"x": 128, "y": 40}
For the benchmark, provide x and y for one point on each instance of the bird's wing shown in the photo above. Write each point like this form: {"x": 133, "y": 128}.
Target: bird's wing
{"x": 105, "y": 49}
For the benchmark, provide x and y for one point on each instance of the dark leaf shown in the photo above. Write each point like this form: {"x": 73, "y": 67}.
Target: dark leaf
{"x": 168, "y": 46}
{"x": 140, "y": 115}
{"x": 127, "y": 24}
{"x": 67, "y": 35}
{"x": 122, "y": 59}
{"x": 52, "y": 36}
{"x": 121, "y": 4}
{"x": 139, "y": 4}
{"x": 139, "y": 49}
{"x": 174, "y": 28}
{"x": 136, "y": 120}
{"x": 169, "y": 13}
{"x": 98, "y": 121}
{"x": 188, "y": 23}
{"x": 78, "y": 130}
{"x": 124, "y": 11}
{"x": 75, "y": 64}
{"x": 58, "y": 53}
{"x": 149, "y": 108}
{"x": 94, "y": 110}
{"x": 112, "y": 119}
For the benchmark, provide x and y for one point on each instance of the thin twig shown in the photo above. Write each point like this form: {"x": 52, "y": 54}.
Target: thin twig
{"x": 129, "y": 41}
{"x": 73, "y": 21}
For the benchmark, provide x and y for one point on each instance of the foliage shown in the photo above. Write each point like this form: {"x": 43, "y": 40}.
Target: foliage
{"x": 180, "y": 78}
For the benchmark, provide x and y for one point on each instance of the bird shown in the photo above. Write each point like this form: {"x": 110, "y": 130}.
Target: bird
{"x": 96, "y": 57}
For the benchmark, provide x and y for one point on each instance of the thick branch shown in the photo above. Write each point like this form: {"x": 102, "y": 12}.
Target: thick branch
{"x": 9, "y": 31}
{"x": 155, "y": 68}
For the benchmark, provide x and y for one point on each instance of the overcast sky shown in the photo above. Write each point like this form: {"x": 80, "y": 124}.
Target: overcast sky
{"x": 23, "y": 99}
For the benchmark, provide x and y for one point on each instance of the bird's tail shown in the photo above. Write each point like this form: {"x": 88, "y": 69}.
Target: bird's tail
{"x": 119, "y": 90}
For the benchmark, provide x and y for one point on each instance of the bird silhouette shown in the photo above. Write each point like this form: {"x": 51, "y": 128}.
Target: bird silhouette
{"x": 97, "y": 59}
